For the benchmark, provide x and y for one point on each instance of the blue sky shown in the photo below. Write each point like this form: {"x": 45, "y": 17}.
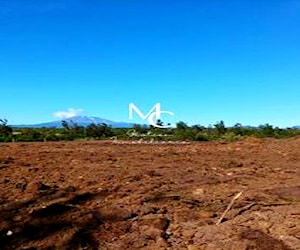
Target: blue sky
{"x": 206, "y": 61}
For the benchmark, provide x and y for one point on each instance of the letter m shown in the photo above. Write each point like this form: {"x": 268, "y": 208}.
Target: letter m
{"x": 134, "y": 108}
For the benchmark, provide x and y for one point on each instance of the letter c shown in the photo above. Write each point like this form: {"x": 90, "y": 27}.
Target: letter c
{"x": 151, "y": 118}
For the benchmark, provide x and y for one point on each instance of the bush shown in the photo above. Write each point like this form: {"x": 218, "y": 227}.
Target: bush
{"x": 201, "y": 137}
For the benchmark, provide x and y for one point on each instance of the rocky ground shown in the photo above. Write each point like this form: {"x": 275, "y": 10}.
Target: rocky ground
{"x": 100, "y": 195}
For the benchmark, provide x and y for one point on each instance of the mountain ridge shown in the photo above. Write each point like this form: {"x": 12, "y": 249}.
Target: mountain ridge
{"x": 79, "y": 120}
{"x": 87, "y": 120}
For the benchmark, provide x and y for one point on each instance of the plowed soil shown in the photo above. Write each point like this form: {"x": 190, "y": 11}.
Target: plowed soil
{"x": 100, "y": 195}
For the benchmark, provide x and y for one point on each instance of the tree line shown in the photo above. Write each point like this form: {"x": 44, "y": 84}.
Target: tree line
{"x": 73, "y": 131}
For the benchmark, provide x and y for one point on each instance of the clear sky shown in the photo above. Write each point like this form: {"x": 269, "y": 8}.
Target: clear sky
{"x": 206, "y": 61}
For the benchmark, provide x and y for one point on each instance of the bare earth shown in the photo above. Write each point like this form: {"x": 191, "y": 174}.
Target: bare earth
{"x": 100, "y": 195}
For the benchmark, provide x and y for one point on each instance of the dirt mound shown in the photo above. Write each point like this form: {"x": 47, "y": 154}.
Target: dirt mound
{"x": 101, "y": 195}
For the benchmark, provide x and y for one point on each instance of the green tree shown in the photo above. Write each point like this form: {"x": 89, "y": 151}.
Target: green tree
{"x": 181, "y": 126}
{"x": 99, "y": 130}
{"x": 220, "y": 128}
{"x": 266, "y": 130}
{"x": 65, "y": 125}
{"x": 183, "y": 132}
{"x": 5, "y": 130}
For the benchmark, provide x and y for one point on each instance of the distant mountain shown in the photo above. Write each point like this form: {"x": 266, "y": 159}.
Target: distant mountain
{"x": 79, "y": 120}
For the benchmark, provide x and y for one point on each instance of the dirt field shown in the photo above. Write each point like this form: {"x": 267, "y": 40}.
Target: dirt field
{"x": 99, "y": 195}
